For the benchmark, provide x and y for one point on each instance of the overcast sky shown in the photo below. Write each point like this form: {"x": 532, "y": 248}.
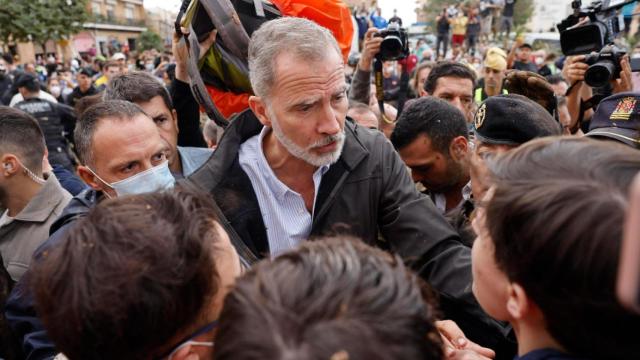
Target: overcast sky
{"x": 405, "y": 8}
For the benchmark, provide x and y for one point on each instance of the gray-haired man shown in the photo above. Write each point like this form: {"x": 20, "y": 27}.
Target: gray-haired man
{"x": 295, "y": 167}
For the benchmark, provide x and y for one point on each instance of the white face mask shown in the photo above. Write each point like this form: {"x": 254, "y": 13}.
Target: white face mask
{"x": 539, "y": 61}
{"x": 154, "y": 179}
{"x": 55, "y": 90}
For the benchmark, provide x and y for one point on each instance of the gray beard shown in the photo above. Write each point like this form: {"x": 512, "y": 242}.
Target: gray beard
{"x": 305, "y": 154}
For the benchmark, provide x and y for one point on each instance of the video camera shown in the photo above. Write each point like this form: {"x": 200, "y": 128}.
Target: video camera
{"x": 595, "y": 37}
{"x": 395, "y": 44}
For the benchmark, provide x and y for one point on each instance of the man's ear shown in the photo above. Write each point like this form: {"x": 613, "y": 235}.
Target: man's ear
{"x": 259, "y": 108}
{"x": 459, "y": 148}
{"x": 518, "y": 303}
{"x": 174, "y": 114}
{"x": 9, "y": 165}
{"x": 89, "y": 178}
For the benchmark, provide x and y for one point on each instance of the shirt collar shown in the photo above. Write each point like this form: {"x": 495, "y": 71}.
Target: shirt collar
{"x": 42, "y": 204}
{"x": 278, "y": 186}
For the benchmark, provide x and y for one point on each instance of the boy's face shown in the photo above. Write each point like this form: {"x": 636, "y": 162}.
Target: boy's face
{"x": 490, "y": 284}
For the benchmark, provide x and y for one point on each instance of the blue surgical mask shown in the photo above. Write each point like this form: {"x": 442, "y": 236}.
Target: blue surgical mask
{"x": 154, "y": 179}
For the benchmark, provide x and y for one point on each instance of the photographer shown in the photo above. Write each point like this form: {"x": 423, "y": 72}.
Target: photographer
{"x": 442, "y": 25}
{"x": 574, "y": 72}
{"x": 360, "y": 84}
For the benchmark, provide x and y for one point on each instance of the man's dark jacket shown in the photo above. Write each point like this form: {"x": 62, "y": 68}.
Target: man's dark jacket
{"x": 77, "y": 94}
{"x": 366, "y": 193}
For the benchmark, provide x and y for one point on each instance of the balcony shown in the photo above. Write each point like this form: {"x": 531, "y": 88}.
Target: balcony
{"x": 115, "y": 23}
{"x": 114, "y": 20}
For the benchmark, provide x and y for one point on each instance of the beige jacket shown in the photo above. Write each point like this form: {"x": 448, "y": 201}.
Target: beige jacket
{"x": 20, "y": 237}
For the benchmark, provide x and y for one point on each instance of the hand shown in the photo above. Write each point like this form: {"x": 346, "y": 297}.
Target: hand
{"x": 465, "y": 355}
{"x": 181, "y": 53}
{"x": 623, "y": 84}
{"x": 519, "y": 42}
{"x": 370, "y": 49}
{"x": 455, "y": 341}
{"x": 574, "y": 69}
{"x": 531, "y": 85}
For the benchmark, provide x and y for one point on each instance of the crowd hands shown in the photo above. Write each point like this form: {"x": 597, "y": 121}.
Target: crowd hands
{"x": 478, "y": 223}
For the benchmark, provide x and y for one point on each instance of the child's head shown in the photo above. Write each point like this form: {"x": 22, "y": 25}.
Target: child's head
{"x": 549, "y": 236}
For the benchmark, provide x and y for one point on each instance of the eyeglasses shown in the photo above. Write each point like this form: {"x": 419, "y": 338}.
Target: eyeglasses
{"x": 188, "y": 340}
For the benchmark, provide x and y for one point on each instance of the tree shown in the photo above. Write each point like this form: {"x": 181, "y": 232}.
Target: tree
{"x": 149, "y": 40}
{"x": 522, "y": 13}
{"x": 41, "y": 20}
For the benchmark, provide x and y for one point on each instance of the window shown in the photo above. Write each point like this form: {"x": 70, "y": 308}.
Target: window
{"x": 128, "y": 12}
{"x": 111, "y": 14}
{"x": 96, "y": 8}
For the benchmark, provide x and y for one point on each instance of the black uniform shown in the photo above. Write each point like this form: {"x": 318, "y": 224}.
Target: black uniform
{"x": 77, "y": 94}
{"x": 57, "y": 122}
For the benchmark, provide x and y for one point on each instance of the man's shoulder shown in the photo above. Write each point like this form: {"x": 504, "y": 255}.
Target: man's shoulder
{"x": 364, "y": 141}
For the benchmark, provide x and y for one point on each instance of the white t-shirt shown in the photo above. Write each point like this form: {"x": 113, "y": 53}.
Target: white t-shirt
{"x": 42, "y": 95}
{"x": 5, "y": 218}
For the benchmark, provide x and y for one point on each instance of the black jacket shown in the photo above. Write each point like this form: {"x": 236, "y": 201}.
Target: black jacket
{"x": 188, "y": 112}
{"x": 367, "y": 193}
{"x": 77, "y": 94}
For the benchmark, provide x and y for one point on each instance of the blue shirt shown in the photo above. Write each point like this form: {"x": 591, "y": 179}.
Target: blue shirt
{"x": 192, "y": 158}
{"x": 285, "y": 216}
{"x": 378, "y": 21}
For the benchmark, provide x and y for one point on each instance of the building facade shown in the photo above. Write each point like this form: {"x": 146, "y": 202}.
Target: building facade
{"x": 162, "y": 22}
{"x": 114, "y": 26}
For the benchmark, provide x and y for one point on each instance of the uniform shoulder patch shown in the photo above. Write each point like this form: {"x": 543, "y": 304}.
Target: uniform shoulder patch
{"x": 480, "y": 115}
{"x": 624, "y": 109}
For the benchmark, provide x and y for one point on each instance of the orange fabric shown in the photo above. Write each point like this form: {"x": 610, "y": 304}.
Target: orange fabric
{"x": 332, "y": 14}
{"x": 228, "y": 103}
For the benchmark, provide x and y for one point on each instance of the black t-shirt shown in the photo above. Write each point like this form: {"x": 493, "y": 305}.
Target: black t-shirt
{"x": 508, "y": 8}
{"x": 485, "y": 10}
{"x": 473, "y": 27}
{"x": 519, "y": 65}
{"x": 443, "y": 25}
{"x": 396, "y": 19}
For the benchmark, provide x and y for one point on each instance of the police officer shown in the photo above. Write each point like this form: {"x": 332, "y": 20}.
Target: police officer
{"x": 56, "y": 120}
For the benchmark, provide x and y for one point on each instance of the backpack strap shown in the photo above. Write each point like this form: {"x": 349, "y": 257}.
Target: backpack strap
{"x": 226, "y": 20}
{"x": 196, "y": 84}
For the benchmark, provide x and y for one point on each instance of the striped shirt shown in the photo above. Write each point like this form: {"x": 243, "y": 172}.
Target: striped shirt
{"x": 285, "y": 216}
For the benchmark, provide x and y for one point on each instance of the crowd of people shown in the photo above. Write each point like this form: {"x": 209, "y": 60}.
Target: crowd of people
{"x": 458, "y": 203}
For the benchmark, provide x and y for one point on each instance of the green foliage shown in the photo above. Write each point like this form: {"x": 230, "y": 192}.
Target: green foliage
{"x": 149, "y": 40}
{"x": 522, "y": 12}
{"x": 41, "y": 20}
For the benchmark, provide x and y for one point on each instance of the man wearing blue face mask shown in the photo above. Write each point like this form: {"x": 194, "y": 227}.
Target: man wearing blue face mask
{"x": 122, "y": 153}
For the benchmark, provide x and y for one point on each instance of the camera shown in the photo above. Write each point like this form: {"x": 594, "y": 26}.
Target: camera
{"x": 602, "y": 26}
{"x": 592, "y": 31}
{"x": 604, "y": 66}
{"x": 395, "y": 44}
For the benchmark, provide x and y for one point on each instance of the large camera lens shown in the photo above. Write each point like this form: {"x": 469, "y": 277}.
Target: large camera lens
{"x": 391, "y": 48}
{"x": 600, "y": 73}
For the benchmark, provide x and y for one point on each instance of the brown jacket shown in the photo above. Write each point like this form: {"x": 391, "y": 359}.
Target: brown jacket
{"x": 20, "y": 237}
